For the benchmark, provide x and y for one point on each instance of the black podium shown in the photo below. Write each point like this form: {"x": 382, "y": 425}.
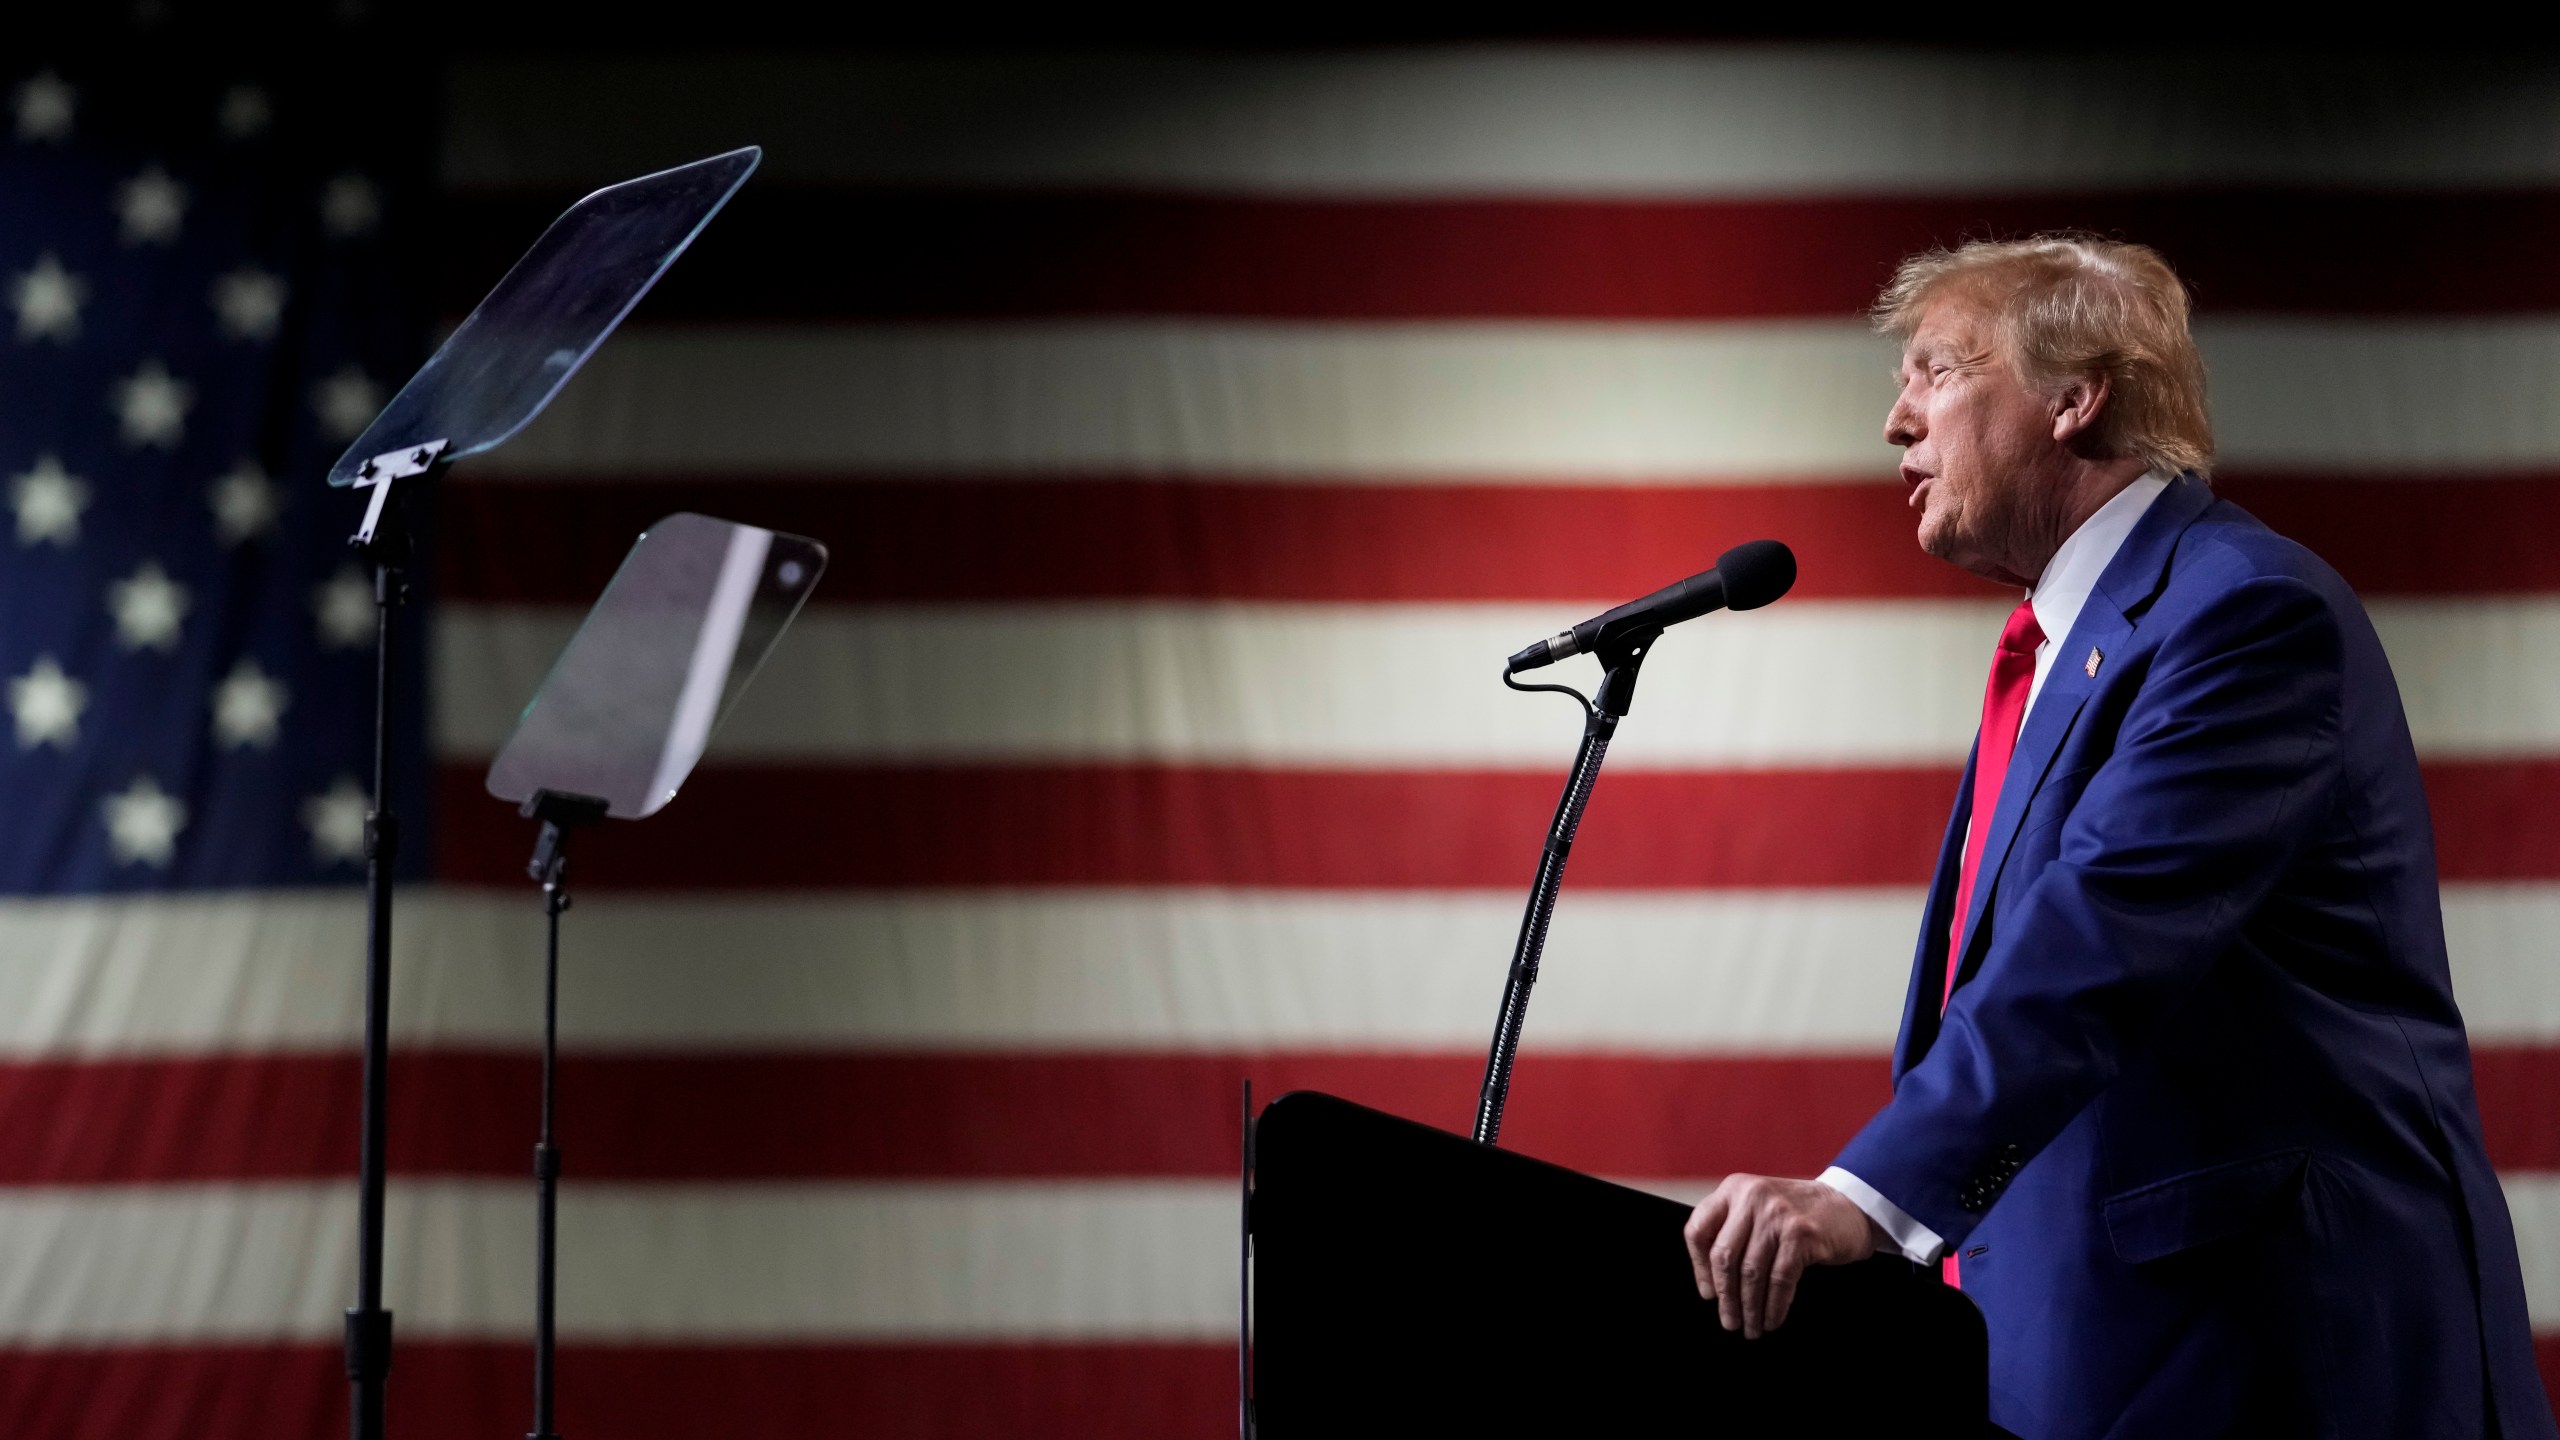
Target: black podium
{"x": 1412, "y": 1282}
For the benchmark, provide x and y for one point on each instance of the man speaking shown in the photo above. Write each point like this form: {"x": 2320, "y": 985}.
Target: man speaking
{"x": 2181, "y": 1097}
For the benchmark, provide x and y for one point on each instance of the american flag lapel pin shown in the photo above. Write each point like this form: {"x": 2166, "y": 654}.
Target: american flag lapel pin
{"x": 2094, "y": 658}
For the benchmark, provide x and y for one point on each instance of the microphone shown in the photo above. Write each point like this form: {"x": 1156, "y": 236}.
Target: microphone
{"x": 1746, "y": 577}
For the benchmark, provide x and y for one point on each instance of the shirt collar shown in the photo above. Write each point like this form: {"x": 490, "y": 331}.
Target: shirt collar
{"x": 2074, "y": 569}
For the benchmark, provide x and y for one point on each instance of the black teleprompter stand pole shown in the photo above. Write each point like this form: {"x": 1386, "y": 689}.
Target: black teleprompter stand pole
{"x": 1619, "y": 663}
{"x": 384, "y": 543}
{"x": 560, "y": 814}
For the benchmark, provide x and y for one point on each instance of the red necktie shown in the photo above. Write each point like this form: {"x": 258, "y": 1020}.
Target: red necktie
{"x": 2004, "y": 704}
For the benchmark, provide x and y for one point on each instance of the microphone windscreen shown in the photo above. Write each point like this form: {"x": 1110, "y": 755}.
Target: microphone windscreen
{"x": 1756, "y": 573}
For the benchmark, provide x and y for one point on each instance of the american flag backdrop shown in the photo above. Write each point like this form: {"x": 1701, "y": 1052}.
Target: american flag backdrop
{"x": 1194, "y": 436}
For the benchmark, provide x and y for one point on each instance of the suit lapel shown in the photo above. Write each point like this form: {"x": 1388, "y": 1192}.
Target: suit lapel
{"x": 2124, "y": 589}
{"x": 1929, "y": 966}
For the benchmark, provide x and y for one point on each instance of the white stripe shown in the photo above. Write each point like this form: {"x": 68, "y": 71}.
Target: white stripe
{"x": 1408, "y": 686}
{"x": 1803, "y": 683}
{"x": 1493, "y": 401}
{"x": 1054, "y": 1260}
{"x": 1670, "y": 972}
{"x": 2500, "y": 940}
{"x": 1511, "y": 401}
{"x": 2479, "y": 678}
{"x": 2533, "y": 1203}
{"x": 2367, "y": 396}
{"x": 1593, "y": 120}
{"x": 1116, "y": 969}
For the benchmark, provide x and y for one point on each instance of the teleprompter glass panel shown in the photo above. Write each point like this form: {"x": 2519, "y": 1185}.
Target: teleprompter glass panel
{"x": 513, "y": 353}
{"x": 632, "y": 701}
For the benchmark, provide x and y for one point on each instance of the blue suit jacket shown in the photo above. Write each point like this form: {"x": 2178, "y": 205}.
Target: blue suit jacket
{"x": 2200, "y": 1119}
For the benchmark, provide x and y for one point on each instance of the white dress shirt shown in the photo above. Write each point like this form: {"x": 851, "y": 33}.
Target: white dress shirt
{"x": 2057, "y": 596}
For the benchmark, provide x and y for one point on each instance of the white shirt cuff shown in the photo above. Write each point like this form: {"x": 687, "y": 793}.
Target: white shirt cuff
{"x": 1920, "y": 1244}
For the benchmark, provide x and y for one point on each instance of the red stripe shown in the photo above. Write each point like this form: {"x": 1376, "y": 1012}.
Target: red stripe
{"x": 2519, "y": 1087}
{"x": 641, "y": 1392}
{"x": 780, "y": 827}
{"x": 799, "y": 253}
{"x": 2496, "y": 819}
{"x": 836, "y": 827}
{"x": 2419, "y": 535}
{"x": 940, "y": 540}
{"x": 557, "y": 542}
{"x": 445, "y": 1388}
{"x": 748, "y": 1116}
{"x": 924, "y": 1116}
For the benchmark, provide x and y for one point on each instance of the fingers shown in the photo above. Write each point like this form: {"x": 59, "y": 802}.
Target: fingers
{"x": 1700, "y": 1233}
{"x": 1759, "y": 1259}
{"x": 1732, "y": 1243}
{"x": 1783, "y": 1275}
{"x": 1749, "y": 1244}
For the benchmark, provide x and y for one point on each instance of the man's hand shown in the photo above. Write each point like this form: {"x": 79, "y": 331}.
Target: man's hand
{"x": 1750, "y": 1241}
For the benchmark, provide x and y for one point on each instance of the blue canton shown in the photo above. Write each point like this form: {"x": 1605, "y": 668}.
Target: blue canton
{"x": 208, "y": 291}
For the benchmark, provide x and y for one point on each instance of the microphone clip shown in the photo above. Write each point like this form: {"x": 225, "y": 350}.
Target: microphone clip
{"x": 1619, "y": 660}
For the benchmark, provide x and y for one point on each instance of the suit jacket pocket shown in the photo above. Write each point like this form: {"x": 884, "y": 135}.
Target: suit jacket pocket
{"x": 2153, "y": 1221}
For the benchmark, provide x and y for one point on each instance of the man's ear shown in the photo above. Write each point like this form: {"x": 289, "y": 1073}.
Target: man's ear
{"x": 2076, "y": 407}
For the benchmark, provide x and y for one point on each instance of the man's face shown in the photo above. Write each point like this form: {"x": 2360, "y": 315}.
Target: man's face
{"x": 1976, "y": 446}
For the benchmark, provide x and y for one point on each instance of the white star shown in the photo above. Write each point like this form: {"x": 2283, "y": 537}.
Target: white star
{"x": 150, "y": 205}
{"x": 151, "y": 405}
{"x": 336, "y": 822}
{"x": 246, "y": 706}
{"x": 49, "y": 500}
{"x": 347, "y": 402}
{"x": 45, "y": 104}
{"x": 48, "y": 301}
{"x": 149, "y": 607}
{"x": 143, "y": 824}
{"x": 350, "y": 205}
{"x": 250, "y": 301}
{"x": 344, "y": 604}
{"x": 245, "y": 503}
{"x": 48, "y": 704}
{"x": 245, "y": 111}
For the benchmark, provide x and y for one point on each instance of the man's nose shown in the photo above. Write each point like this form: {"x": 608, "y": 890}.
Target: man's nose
{"x": 1902, "y": 425}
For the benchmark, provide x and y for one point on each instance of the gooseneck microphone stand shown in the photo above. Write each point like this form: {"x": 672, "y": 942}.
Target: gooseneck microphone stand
{"x": 1619, "y": 662}
{"x": 384, "y": 543}
{"x": 559, "y": 814}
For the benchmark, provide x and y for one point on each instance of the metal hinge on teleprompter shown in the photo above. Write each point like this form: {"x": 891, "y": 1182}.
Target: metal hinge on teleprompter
{"x": 386, "y": 467}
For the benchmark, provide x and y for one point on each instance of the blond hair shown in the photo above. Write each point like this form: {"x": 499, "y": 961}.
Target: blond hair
{"x": 2073, "y": 306}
